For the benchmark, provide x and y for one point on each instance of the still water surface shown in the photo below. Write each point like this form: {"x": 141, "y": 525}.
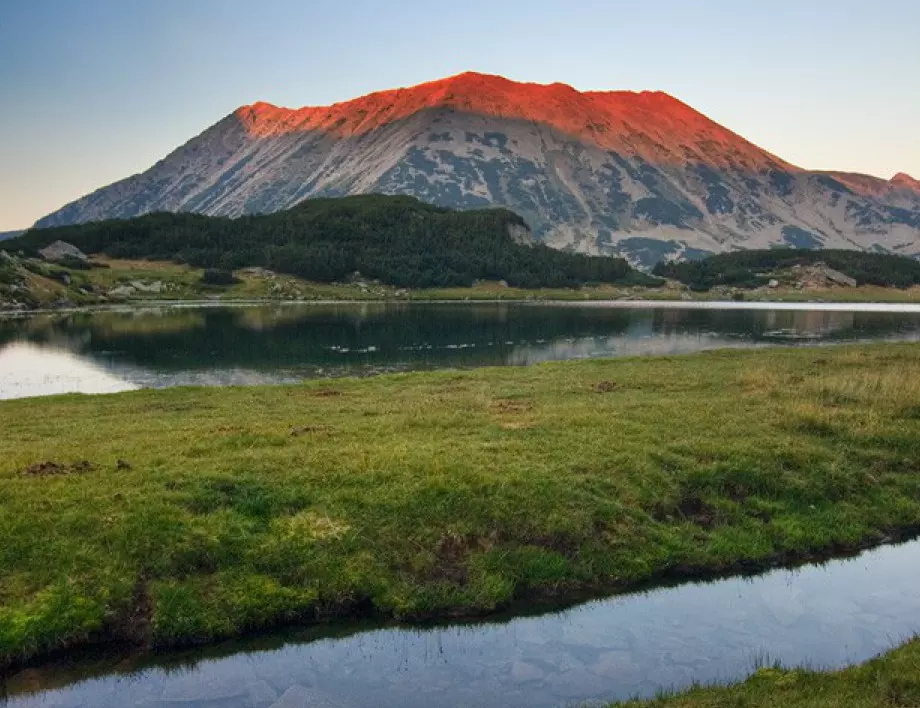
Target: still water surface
{"x": 819, "y": 616}
{"x": 168, "y": 346}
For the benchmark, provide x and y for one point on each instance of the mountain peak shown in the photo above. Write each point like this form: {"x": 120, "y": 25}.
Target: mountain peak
{"x": 902, "y": 179}
{"x": 651, "y": 125}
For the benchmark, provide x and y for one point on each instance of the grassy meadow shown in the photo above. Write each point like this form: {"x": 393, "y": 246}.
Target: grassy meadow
{"x": 184, "y": 283}
{"x": 184, "y": 515}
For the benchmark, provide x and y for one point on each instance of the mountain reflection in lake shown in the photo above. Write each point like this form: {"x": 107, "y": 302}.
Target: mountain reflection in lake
{"x": 171, "y": 346}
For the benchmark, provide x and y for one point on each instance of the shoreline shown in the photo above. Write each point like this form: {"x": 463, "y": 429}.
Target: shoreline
{"x": 756, "y": 305}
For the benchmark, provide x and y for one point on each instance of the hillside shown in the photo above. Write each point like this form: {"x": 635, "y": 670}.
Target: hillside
{"x": 397, "y": 240}
{"x": 798, "y": 267}
{"x": 638, "y": 174}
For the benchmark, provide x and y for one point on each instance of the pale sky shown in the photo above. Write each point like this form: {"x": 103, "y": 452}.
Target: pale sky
{"x": 96, "y": 90}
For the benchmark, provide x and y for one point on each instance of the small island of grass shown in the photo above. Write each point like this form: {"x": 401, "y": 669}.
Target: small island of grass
{"x": 181, "y": 516}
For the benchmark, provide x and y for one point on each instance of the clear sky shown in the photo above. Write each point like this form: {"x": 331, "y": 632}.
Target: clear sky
{"x": 95, "y": 90}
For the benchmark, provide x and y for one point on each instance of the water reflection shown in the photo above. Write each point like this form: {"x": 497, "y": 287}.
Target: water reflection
{"x": 249, "y": 345}
{"x": 823, "y": 617}
{"x": 30, "y": 370}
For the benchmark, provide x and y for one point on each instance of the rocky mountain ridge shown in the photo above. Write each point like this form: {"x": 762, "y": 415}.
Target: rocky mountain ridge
{"x": 638, "y": 174}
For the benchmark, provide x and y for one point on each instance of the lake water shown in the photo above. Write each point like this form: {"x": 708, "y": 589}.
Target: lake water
{"x": 819, "y": 616}
{"x": 168, "y": 346}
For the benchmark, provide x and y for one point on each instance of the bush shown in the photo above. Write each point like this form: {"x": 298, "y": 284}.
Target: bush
{"x": 73, "y": 263}
{"x": 8, "y": 274}
{"x": 216, "y": 276}
{"x": 744, "y": 269}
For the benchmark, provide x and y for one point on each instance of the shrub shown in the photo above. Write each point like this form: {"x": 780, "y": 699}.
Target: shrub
{"x": 217, "y": 276}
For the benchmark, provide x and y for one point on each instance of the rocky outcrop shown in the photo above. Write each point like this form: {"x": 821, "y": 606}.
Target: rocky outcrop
{"x": 638, "y": 174}
{"x": 821, "y": 276}
{"x": 63, "y": 252}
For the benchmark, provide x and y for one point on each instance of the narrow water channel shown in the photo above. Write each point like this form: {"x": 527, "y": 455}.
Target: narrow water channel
{"x": 826, "y": 616}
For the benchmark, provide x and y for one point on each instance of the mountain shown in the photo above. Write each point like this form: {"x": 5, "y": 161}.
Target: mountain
{"x": 4, "y": 235}
{"x": 641, "y": 174}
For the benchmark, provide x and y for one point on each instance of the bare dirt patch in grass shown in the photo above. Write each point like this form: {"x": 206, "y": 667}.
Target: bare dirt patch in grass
{"x": 49, "y": 468}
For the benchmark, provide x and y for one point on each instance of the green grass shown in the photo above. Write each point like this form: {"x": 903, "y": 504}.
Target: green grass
{"x": 887, "y": 682}
{"x": 441, "y": 493}
{"x": 183, "y": 282}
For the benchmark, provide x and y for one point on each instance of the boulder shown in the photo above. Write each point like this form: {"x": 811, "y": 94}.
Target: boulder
{"x": 62, "y": 251}
{"x": 122, "y": 291}
{"x": 838, "y": 278}
{"x": 258, "y": 272}
{"x": 156, "y": 286}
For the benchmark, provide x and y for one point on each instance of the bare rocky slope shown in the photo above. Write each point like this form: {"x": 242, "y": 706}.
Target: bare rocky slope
{"x": 638, "y": 174}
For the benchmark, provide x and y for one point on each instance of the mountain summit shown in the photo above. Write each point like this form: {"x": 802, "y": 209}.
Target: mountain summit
{"x": 903, "y": 179}
{"x": 638, "y": 174}
{"x": 650, "y": 125}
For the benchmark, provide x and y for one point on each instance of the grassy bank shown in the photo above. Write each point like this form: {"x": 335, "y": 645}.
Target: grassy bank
{"x": 164, "y": 517}
{"x": 170, "y": 282}
{"x": 889, "y": 681}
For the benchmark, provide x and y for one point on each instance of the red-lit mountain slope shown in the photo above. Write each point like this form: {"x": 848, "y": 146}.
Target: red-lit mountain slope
{"x": 603, "y": 172}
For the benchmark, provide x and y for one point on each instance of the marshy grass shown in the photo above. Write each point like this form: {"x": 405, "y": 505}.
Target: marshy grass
{"x": 186, "y": 515}
{"x": 890, "y": 681}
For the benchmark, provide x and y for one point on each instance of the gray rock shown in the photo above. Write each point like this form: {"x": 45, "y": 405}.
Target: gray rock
{"x": 835, "y": 276}
{"x": 258, "y": 272}
{"x": 122, "y": 291}
{"x": 61, "y": 250}
{"x": 156, "y": 286}
{"x": 773, "y": 284}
